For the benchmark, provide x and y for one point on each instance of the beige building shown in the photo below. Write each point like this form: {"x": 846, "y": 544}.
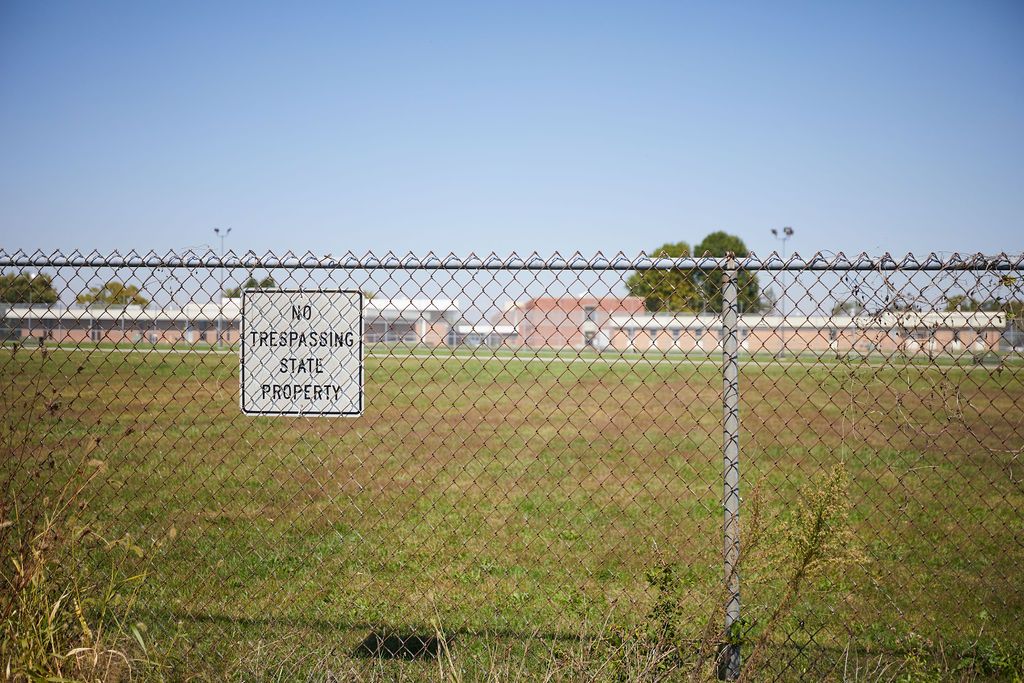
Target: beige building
{"x": 909, "y": 332}
{"x": 413, "y": 321}
{"x": 602, "y": 324}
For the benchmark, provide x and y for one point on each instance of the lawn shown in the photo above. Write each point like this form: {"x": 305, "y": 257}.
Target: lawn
{"x": 512, "y": 497}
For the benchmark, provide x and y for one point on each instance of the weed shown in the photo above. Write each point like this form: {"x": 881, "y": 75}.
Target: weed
{"x": 817, "y": 540}
{"x": 55, "y": 624}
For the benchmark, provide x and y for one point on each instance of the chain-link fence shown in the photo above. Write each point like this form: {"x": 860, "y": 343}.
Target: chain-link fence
{"x": 543, "y": 453}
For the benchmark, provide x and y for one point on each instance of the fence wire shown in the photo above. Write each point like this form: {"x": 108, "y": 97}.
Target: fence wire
{"x": 540, "y": 458}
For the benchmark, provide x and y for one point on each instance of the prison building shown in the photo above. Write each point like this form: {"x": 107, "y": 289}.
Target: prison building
{"x": 189, "y": 324}
{"x": 909, "y": 332}
{"x": 610, "y": 323}
{"x": 411, "y": 321}
{"x": 483, "y": 334}
{"x": 568, "y": 322}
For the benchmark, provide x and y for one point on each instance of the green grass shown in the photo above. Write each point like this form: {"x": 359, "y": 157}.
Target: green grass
{"x": 512, "y": 499}
{"x": 964, "y": 359}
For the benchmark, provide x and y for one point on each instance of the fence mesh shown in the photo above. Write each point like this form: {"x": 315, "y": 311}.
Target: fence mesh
{"x": 539, "y": 458}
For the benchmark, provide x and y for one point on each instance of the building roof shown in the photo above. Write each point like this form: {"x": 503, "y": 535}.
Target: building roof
{"x": 570, "y": 302}
{"x": 486, "y": 329}
{"x": 229, "y": 309}
{"x": 886, "y": 320}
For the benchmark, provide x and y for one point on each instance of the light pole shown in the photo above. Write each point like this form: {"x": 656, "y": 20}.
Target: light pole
{"x": 32, "y": 284}
{"x": 787, "y": 233}
{"x": 222, "y": 234}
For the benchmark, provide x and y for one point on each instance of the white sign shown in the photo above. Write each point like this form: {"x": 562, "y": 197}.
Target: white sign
{"x": 302, "y": 353}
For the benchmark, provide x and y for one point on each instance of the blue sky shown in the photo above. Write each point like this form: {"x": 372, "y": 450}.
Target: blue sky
{"x": 512, "y": 126}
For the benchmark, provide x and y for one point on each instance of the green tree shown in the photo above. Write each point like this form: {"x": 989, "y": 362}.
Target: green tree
{"x": 961, "y": 302}
{"x": 709, "y": 283}
{"x": 848, "y": 307}
{"x": 666, "y": 290}
{"x": 251, "y": 283}
{"x": 113, "y": 293}
{"x": 27, "y": 289}
{"x": 1014, "y": 309}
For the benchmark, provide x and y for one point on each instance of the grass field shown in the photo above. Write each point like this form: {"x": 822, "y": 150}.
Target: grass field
{"x": 514, "y": 498}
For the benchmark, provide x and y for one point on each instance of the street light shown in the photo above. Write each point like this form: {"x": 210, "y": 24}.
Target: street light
{"x": 222, "y": 234}
{"x": 31, "y": 285}
{"x": 787, "y": 233}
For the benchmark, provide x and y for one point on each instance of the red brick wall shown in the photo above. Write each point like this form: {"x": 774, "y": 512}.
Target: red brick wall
{"x": 559, "y": 322}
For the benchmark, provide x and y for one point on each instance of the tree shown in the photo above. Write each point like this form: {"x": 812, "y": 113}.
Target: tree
{"x": 769, "y": 300}
{"x": 961, "y": 302}
{"x": 848, "y": 307}
{"x": 113, "y": 293}
{"x": 666, "y": 290}
{"x": 720, "y": 243}
{"x": 1014, "y": 309}
{"x": 251, "y": 283}
{"x": 27, "y": 289}
{"x": 691, "y": 290}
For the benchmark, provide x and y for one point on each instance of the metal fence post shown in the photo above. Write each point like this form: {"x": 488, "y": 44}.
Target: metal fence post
{"x": 729, "y": 656}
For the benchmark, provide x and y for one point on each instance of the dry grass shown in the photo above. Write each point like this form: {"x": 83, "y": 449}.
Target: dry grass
{"x": 56, "y": 622}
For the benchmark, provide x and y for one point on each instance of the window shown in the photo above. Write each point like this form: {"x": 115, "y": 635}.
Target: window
{"x": 590, "y": 314}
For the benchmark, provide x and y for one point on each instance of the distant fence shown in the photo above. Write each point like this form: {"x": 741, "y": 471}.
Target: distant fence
{"x": 546, "y": 446}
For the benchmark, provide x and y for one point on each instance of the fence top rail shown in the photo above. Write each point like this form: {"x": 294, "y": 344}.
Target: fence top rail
{"x": 820, "y": 261}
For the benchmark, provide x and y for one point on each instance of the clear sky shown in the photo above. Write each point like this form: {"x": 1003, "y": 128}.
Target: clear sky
{"x": 888, "y": 126}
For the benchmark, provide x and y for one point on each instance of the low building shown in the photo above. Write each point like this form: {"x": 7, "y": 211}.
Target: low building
{"x": 569, "y": 322}
{"x": 599, "y": 323}
{"x": 413, "y": 321}
{"x": 409, "y": 321}
{"x": 483, "y": 334}
{"x": 188, "y": 324}
{"x": 911, "y": 332}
